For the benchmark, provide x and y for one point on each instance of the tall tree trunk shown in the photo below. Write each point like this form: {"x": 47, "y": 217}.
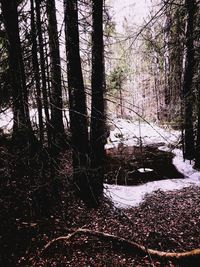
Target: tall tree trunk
{"x": 36, "y": 71}
{"x": 22, "y": 130}
{"x": 197, "y": 153}
{"x": 97, "y": 134}
{"x": 77, "y": 104}
{"x": 56, "y": 85}
{"x": 187, "y": 82}
{"x": 197, "y": 86}
{"x": 42, "y": 66}
{"x": 177, "y": 67}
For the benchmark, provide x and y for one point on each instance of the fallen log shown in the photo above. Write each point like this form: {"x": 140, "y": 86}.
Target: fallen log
{"x": 130, "y": 244}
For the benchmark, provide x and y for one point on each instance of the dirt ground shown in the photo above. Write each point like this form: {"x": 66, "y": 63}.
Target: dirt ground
{"x": 164, "y": 221}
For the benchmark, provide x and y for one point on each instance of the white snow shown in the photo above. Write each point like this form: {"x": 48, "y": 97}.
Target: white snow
{"x": 6, "y": 118}
{"x": 130, "y": 133}
{"x": 6, "y": 121}
{"x": 143, "y": 170}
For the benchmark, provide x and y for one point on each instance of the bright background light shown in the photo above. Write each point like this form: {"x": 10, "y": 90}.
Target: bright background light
{"x": 134, "y": 11}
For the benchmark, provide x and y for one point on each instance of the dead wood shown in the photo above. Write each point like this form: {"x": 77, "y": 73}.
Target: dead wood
{"x": 137, "y": 248}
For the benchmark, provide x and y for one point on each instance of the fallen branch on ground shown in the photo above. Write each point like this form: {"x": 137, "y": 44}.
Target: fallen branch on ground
{"x": 130, "y": 244}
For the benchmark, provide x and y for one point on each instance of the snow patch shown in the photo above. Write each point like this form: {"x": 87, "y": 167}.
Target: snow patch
{"x": 6, "y": 118}
{"x": 133, "y": 133}
{"x": 6, "y": 121}
{"x": 144, "y": 170}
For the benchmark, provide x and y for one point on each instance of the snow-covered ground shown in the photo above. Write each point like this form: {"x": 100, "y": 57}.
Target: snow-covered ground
{"x": 129, "y": 133}
{"x": 6, "y": 121}
{"x": 132, "y": 133}
{"x": 6, "y": 118}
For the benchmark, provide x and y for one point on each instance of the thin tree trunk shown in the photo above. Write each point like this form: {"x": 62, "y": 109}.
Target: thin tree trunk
{"x": 121, "y": 102}
{"x": 56, "y": 85}
{"x": 36, "y": 71}
{"x": 187, "y": 82}
{"x": 42, "y": 66}
{"x": 157, "y": 75}
{"x": 97, "y": 134}
{"x": 197, "y": 153}
{"x": 167, "y": 61}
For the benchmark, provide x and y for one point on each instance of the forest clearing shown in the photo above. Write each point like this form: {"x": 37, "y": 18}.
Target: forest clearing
{"x": 99, "y": 133}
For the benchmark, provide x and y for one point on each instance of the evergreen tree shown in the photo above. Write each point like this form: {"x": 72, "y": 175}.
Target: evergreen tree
{"x": 43, "y": 69}
{"x": 22, "y": 130}
{"x": 187, "y": 82}
{"x": 97, "y": 133}
{"x": 36, "y": 72}
{"x": 77, "y": 104}
{"x": 56, "y": 85}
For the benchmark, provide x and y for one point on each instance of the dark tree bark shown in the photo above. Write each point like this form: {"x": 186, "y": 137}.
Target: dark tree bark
{"x": 77, "y": 103}
{"x": 56, "y": 85}
{"x": 197, "y": 148}
{"x": 22, "y": 131}
{"x": 43, "y": 73}
{"x": 36, "y": 71}
{"x": 197, "y": 86}
{"x": 176, "y": 65}
{"x": 187, "y": 82}
{"x": 97, "y": 133}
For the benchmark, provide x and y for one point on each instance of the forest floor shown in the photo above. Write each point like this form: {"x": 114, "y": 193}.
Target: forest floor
{"x": 31, "y": 218}
{"x": 176, "y": 227}
{"x": 166, "y": 221}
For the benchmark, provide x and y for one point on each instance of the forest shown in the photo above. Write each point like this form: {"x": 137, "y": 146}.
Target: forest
{"x": 100, "y": 133}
